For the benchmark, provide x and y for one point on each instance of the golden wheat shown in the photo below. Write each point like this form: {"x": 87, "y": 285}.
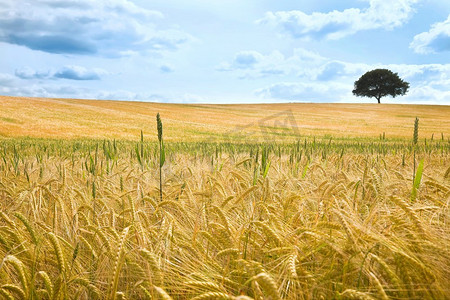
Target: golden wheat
{"x": 317, "y": 227}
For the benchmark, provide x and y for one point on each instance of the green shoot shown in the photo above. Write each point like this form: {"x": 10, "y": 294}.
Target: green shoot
{"x": 162, "y": 153}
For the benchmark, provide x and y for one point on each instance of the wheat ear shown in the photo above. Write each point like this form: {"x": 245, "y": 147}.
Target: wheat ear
{"x": 213, "y": 296}
{"x": 268, "y": 285}
{"x": 15, "y": 289}
{"x": 20, "y": 268}
{"x": 162, "y": 293}
{"x": 118, "y": 264}
{"x": 58, "y": 251}
{"x": 48, "y": 283}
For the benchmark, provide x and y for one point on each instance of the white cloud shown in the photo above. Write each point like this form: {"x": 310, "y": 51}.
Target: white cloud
{"x": 426, "y": 94}
{"x": 10, "y": 86}
{"x": 67, "y": 72}
{"x": 6, "y": 79}
{"x": 437, "y": 39}
{"x": 304, "y": 92}
{"x": 338, "y": 24}
{"x": 78, "y": 73}
{"x": 422, "y": 74}
{"x": 28, "y": 73}
{"x": 252, "y": 64}
{"x": 310, "y": 65}
{"x": 37, "y": 90}
{"x": 106, "y": 28}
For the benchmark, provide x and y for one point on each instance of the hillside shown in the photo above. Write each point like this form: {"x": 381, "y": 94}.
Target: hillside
{"x": 74, "y": 118}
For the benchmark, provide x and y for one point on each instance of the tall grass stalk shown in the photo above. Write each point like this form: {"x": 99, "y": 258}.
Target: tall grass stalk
{"x": 415, "y": 139}
{"x": 162, "y": 153}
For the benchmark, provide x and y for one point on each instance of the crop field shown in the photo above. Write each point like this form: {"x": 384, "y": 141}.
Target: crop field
{"x": 74, "y": 118}
{"x": 223, "y": 202}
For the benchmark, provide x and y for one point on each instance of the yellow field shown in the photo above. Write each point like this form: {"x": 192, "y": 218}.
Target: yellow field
{"x": 324, "y": 208}
{"x": 69, "y": 118}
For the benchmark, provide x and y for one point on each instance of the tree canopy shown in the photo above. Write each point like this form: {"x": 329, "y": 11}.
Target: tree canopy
{"x": 379, "y": 83}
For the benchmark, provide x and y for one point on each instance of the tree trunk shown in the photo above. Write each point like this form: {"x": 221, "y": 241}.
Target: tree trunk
{"x": 378, "y": 98}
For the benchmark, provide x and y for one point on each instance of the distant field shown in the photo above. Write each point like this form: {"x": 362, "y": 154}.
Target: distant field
{"x": 72, "y": 118}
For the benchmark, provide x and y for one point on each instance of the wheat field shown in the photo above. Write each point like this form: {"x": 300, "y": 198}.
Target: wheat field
{"x": 315, "y": 218}
{"x": 100, "y": 119}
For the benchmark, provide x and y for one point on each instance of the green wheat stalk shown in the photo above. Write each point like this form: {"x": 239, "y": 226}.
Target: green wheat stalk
{"x": 162, "y": 153}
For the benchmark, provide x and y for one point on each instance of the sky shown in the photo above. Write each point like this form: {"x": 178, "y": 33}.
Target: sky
{"x": 222, "y": 51}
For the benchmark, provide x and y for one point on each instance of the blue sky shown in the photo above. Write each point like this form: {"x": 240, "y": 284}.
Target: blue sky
{"x": 222, "y": 51}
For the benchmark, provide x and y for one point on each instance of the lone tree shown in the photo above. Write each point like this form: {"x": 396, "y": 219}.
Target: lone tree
{"x": 379, "y": 83}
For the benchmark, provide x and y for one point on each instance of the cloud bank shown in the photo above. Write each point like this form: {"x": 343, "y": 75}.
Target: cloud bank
{"x": 110, "y": 28}
{"x": 66, "y": 72}
{"x": 303, "y": 92}
{"x": 321, "y": 79}
{"x": 338, "y": 24}
{"x": 252, "y": 64}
